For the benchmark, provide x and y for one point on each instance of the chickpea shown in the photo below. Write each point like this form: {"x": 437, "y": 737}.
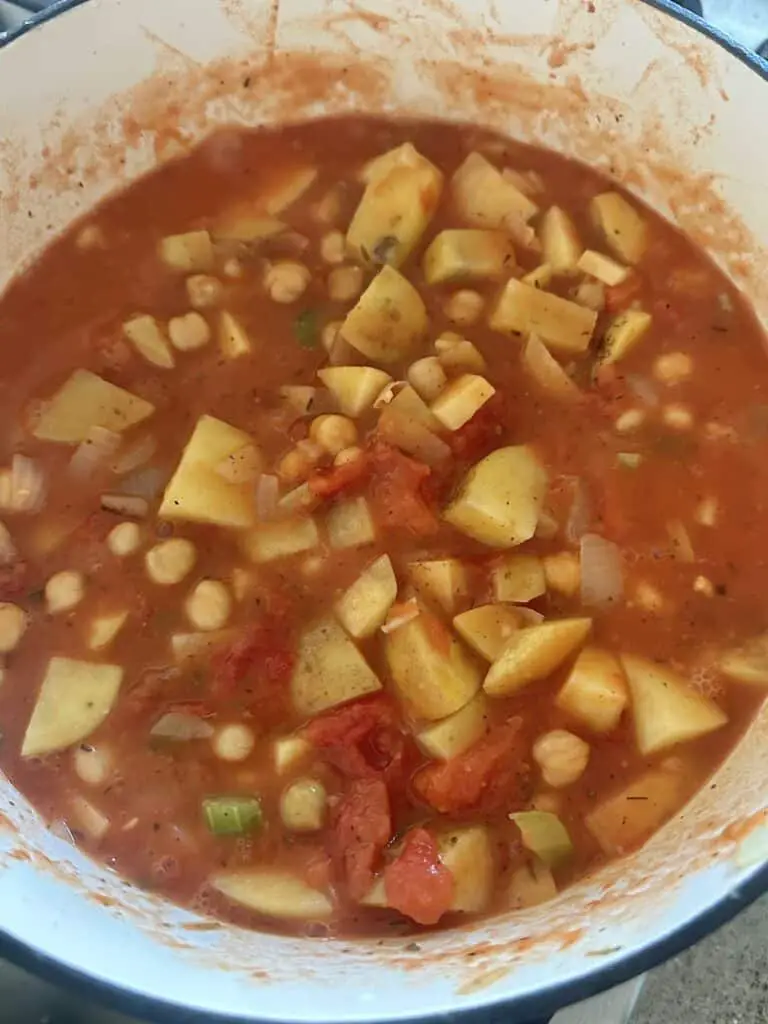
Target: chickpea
{"x": 13, "y": 623}
{"x": 303, "y": 805}
{"x": 64, "y": 590}
{"x": 562, "y": 573}
{"x": 204, "y": 291}
{"x": 707, "y": 512}
{"x": 233, "y": 268}
{"x": 347, "y": 455}
{"x": 90, "y": 236}
{"x": 677, "y": 416}
{"x": 427, "y": 378}
{"x": 328, "y": 209}
{"x": 170, "y": 561}
{"x": 209, "y": 605}
{"x": 233, "y": 742}
{"x": 286, "y": 281}
{"x": 333, "y": 432}
{"x": 189, "y": 332}
{"x": 630, "y": 420}
{"x": 464, "y": 306}
{"x": 333, "y": 247}
{"x": 561, "y": 756}
{"x": 93, "y": 765}
{"x": 673, "y": 367}
{"x": 124, "y": 539}
{"x": 345, "y": 283}
{"x": 296, "y": 465}
{"x": 330, "y": 334}
{"x": 704, "y": 585}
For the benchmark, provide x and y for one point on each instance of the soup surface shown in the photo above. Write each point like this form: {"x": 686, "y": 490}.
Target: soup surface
{"x": 383, "y": 529}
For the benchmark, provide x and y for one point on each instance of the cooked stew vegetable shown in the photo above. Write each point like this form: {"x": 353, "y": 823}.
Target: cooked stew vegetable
{"x": 383, "y": 526}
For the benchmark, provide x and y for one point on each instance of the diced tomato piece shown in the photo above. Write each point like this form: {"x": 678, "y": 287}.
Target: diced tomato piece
{"x": 325, "y": 483}
{"x": 14, "y": 580}
{"x": 259, "y": 662}
{"x": 619, "y": 296}
{"x": 362, "y": 828}
{"x": 396, "y": 492}
{"x": 418, "y": 884}
{"x": 480, "y": 435}
{"x": 490, "y": 775}
{"x": 361, "y": 739}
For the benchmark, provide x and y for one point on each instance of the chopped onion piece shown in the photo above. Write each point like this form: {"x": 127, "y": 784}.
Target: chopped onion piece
{"x": 181, "y": 725}
{"x": 138, "y": 453}
{"x": 643, "y": 388}
{"x": 580, "y": 514}
{"x": 410, "y": 436}
{"x": 22, "y": 487}
{"x": 241, "y": 467}
{"x": 267, "y": 490}
{"x": 401, "y": 613}
{"x": 62, "y": 831}
{"x": 125, "y": 505}
{"x": 145, "y": 483}
{"x": 602, "y": 574}
{"x": 98, "y": 446}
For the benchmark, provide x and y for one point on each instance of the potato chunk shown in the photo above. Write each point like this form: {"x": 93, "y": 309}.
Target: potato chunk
{"x": 530, "y": 885}
{"x": 562, "y": 325}
{"x": 191, "y": 252}
{"x": 625, "y": 820}
{"x": 468, "y": 855}
{"x": 499, "y": 500}
{"x": 274, "y": 893}
{"x": 544, "y": 835}
{"x": 624, "y": 230}
{"x": 623, "y": 333}
{"x": 104, "y": 628}
{"x": 595, "y": 692}
{"x": 233, "y": 337}
{"x": 393, "y": 214}
{"x": 560, "y": 241}
{"x": 486, "y": 629}
{"x": 533, "y": 653}
{"x": 149, "y": 340}
{"x": 355, "y": 388}
{"x": 388, "y": 320}
{"x": 747, "y": 663}
{"x": 456, "y": 733}
{"x": 443, "y": 581}
{"x": 542, "y": 366}
{"x": 74, "y": 699}
{"x": 270, "y": 541}
{"x": 602, "y": 268}
{"x": 330, "y": 670}
{"x": 666, "y": 710}
{"x": 468, "y": 255}
{"x": 197, "y": 492}
{"x": 482, "y": 196}
{"x": 518, "y": 578}
{"x": 431, "y": 670}
{"x": 86, "y": 401}
{"x": 463, "y": 397}
{"x": 363, "y": 607}
{"x": 350, "y": 524}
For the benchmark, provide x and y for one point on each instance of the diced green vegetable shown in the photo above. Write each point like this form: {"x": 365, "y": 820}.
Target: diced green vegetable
{"x": 561, "y": 324}
{"x": 389, "y": 319}
{"x": 74, "y": 699}
{"x": 330, "y": 670}
{"x": 533, "y": 653}
{"x": 232, "y": 815}
{"x": 306, "y": 329}
{"x": 86, "y": 401}
{"x": 499, "y": 500}
{"x": 544, "y": 835}
{"x": 667, "y": 711}
{"x": 430, "y": 668}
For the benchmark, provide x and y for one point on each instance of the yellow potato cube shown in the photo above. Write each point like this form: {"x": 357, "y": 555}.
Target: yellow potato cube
{"x": 86, "y": 401}
{"x": 562, "y": 325}
{"x": 560, "y": 241}
{"x": 488, "y": 628}
{"x": 468, "y": 254}
{"x": 518, "y": 578}
{"x": 595, "y": 692}
{"x": 364, "y": 606}
{"x": 390, "y": 318}
{"x": 456, "y": 733}
{"x": 624, "y": 230}
{"x": 463, "y": 397}
{"x": 534, "y": 653}
{"x": 482, "y": 196}
{"x": 330, "y": 670}
{"x": 623, "y": 333}
{"x": 443, "y": 581}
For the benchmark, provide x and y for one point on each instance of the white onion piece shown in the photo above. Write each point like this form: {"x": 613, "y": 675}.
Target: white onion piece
{"x": 137, "y": 454}
{"x": 643, "y": 388}
{"x": 267, "y": 490}
{"x": 410, "y": 436}
{"x": 602, "y": 573}
{"x": 22, "y": 487}
{"x": 62, "y": 831}
{"x": 93, "y": 452}
{"x": 402, "y": 613}
{"x": 181, "y": 725}
{"x": 241, "y": 467}
{"x": 145, "y": 483}
{"x": 580, "y": 514}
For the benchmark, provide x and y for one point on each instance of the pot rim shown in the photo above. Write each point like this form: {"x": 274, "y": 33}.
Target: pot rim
{"x": 538, "y": 1006}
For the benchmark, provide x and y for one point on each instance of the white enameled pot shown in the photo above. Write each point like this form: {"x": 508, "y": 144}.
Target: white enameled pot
{"x": 97, "y": 95}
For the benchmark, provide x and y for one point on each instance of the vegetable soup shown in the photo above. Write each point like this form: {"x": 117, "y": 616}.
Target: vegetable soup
{"x": 382, "y": 534}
